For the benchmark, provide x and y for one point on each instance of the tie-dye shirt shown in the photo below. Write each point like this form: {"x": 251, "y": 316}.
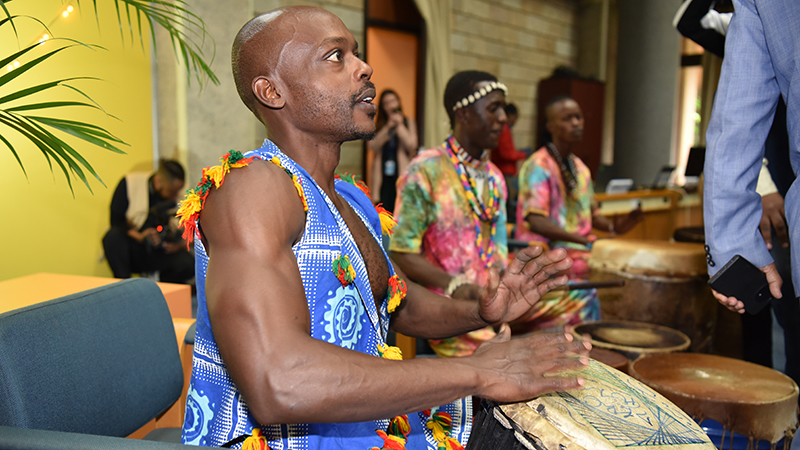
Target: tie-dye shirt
{"x": 542, "y": 191}
{"x": 435, "y": 219}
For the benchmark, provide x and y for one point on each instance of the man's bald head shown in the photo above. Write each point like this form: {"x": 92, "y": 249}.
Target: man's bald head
{"x": 258, "y": 46}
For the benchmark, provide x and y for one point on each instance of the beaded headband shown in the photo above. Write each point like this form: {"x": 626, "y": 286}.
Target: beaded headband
{"x": 475, "y": 96}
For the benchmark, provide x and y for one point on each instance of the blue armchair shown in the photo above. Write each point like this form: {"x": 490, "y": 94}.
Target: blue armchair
{"x": 100, "y": 362}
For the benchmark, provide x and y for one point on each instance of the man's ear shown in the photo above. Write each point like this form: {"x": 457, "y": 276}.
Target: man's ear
{"x": 267, "y": 93}
{"x": 461, "y": 115}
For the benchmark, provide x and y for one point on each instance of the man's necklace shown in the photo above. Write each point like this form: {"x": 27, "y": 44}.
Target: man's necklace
{"x": 568, "y": 169}
{"x": 483, "y": 213}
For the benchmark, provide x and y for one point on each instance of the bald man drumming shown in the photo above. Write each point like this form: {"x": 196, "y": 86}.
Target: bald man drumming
{"x": 296, "y": 295}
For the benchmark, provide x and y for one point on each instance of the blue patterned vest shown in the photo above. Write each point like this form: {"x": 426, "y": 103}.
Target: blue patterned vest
{"x": 347, "y": 316}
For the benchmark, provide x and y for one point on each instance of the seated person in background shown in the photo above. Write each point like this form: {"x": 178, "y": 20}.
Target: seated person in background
{"x": 556, "y": 206}
{"x": 394, "y": 145}
{"x": 141, "y": 239}
{"x": 451, "y": 218}
{"x": 296, "y": 295}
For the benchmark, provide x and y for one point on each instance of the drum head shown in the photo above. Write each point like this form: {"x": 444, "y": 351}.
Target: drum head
{"x": 633, "y": 338}
{"x": 756, "y": 400}
{"x": 612, "y": 410}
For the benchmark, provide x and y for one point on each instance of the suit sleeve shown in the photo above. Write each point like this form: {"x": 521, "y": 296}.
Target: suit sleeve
{"x": 744, "y": 107}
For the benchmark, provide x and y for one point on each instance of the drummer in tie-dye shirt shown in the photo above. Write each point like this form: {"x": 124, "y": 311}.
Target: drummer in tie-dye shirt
{"x": 450, "y": 208}
{"x": 556, "y": 206}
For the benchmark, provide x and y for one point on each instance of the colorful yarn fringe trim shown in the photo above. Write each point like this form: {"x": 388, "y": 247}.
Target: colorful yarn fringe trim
{"x": 387, "y": 220}
{"x": 256, "y": 441}
{"x": 190, "y": 208}
{"x": 352, "y": 180}
{"x": 344, "y": 270}
{"x": 396, "y": 292}
{"x": 297, "y": 185}
{"x": 441, "y": 425}
{"x": 396, "y": 435}
{"x": 389, "y": 352}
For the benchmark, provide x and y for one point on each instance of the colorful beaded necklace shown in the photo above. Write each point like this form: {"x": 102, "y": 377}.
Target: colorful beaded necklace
{"x": 568, "y": 169}
{"x": 483, "y": 213}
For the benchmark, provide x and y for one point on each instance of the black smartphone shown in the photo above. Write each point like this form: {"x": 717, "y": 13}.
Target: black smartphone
{"x": 741, "y": 279}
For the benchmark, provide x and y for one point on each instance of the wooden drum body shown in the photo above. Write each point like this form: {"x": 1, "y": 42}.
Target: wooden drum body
{"x": 746, "y": 398}
{"x": 611, "y": 411}
{"x": 666, "y": 283}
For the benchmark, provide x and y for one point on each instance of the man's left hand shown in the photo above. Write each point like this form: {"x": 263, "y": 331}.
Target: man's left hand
{"x": 528, "y": 277}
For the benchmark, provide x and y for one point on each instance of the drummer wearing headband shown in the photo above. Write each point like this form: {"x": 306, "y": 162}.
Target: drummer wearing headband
{"x": 450, "y": 207}
{"x": 295, "y": 293}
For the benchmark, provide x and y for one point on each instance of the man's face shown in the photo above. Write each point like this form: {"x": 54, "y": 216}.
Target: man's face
{"x": 484, "y": 119}
{"x": 511, "y": 119}
{"x": 329, "y": 91}
{"x": 565, "y": 122}
{"x": 168, "y": 190}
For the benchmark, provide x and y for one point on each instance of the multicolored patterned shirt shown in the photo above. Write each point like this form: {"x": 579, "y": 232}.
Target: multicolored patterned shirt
{"x": 343, "y": 315}
{"x": 435, "y": 219}
{"x": 542, "y": 191}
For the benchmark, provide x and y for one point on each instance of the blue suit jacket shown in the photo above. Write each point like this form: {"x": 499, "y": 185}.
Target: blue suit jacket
{"x": 762, "y": 62}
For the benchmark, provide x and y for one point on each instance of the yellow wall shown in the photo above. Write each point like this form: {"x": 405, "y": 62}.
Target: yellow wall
{"x": 44, "y": 228}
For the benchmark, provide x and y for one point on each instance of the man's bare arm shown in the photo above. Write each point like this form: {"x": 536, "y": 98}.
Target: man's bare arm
{"x": 415, "y": 267}
{"x": 542, "y": 225}
{"x": 259, "y": 315}
{"x": 507, "y": 296}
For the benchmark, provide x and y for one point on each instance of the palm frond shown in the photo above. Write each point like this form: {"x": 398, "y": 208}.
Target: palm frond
{"x": 15, "y": 106}
{"x": 186, "y": 29}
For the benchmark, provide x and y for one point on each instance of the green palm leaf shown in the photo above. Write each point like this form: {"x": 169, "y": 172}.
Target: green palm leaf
{"x": 187, "y": 31}
{"x": 14, "y": 117}
{"x": 188, "y": 37}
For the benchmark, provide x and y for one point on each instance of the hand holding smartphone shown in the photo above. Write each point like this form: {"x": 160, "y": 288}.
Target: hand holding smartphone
{"x": 739, "y": 278}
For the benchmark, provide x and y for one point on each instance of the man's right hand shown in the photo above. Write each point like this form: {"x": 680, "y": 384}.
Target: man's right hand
{"x": 773, "y": 216}
{"x": 521, "y": 369}
{"x": 775, "y": 283}
{"x": 140, "y": 236}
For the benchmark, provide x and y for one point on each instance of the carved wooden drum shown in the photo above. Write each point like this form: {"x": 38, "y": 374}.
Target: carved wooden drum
{"x": 745, "y": 398}
{"x": 633, "y": 339}
{"x": 666, "y": 283}
{"x": 612, "y": 410}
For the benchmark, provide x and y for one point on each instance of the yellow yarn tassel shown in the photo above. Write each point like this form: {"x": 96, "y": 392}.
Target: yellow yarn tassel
{"x": 257, "y": 441}
{"x": 389, "y": 352}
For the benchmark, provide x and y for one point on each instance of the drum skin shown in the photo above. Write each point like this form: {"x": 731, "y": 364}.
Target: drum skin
{"x": 747, "y": 398}
{"x": 612, "y": 410}
{"x": 666, "y": 283}
{"x": 632, "y": 339}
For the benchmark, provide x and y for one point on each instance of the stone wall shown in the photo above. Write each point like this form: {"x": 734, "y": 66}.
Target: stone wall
{"x": 519, "y": 41}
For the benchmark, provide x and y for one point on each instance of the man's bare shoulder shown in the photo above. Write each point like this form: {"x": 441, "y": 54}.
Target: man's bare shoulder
{"x": 260, "y": 196}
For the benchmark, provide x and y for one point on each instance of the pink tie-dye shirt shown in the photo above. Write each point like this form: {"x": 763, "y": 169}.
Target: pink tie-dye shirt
{"x": 542, "y": 191}
{"x": 435, "y": 219}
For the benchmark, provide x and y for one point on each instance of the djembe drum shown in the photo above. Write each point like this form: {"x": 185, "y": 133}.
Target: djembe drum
{"x": 632, "y": 339}
{"x": 666, "y": 283}
{"x": 752, "y": 400}
{"x": 612, "y": 410}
